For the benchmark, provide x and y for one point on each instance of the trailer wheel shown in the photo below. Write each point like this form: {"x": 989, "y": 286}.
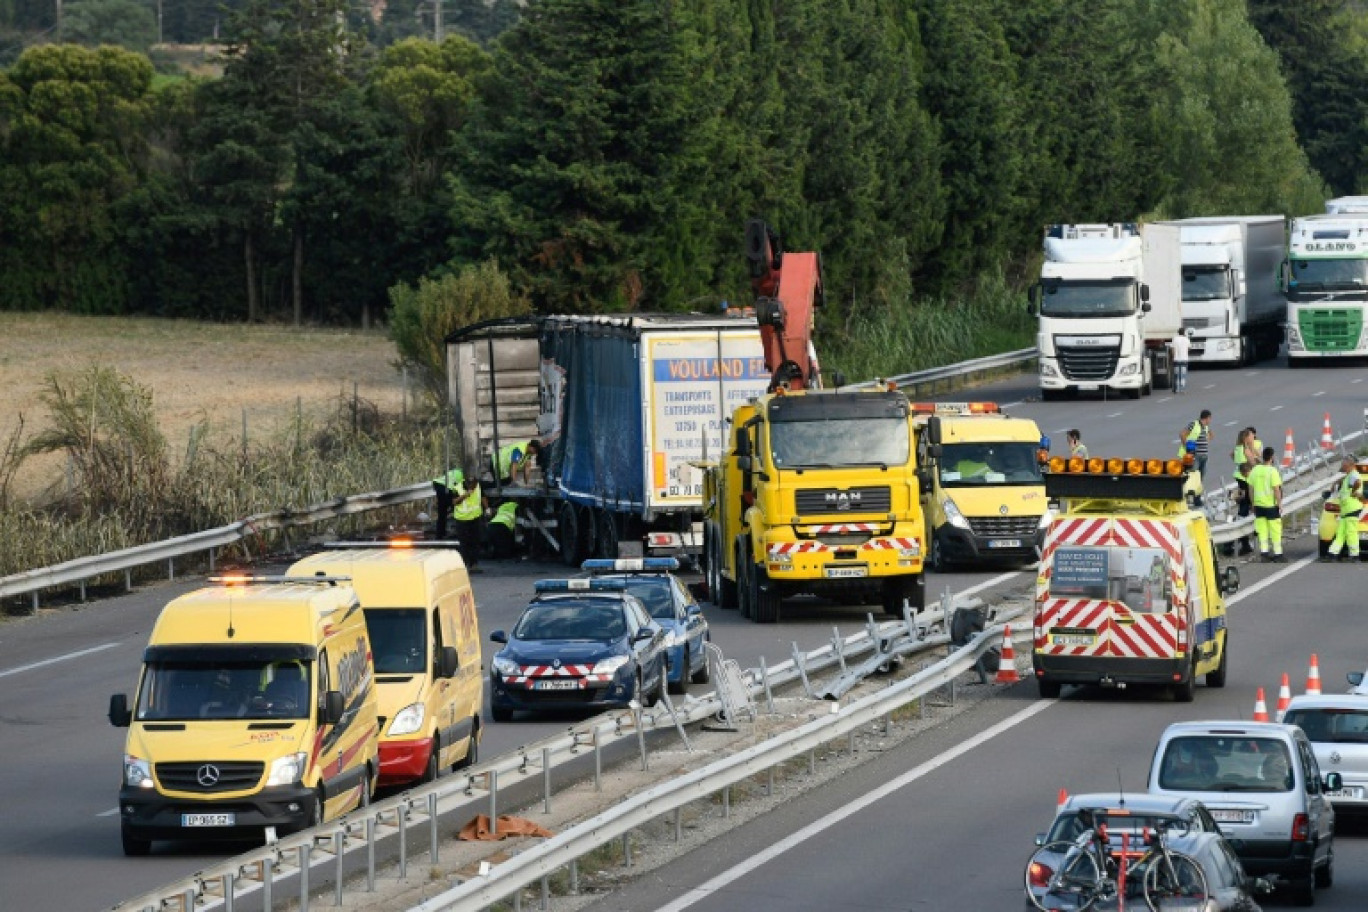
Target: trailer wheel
{"x": 571, "y": 535}
{"x": 606, "y": 541}
{"x": 721, "y": 590}
{"x": 744, "y": 592}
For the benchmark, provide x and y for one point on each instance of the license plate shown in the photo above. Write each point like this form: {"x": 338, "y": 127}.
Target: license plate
{"x": 1351, "y": 792}
{"x": 1090, "y": 387}
{"x": 1226, "y": 815}
{"x": 1005, "y": 543}
{"x": 1072, "y": 639}
{"x": 846, "y": 572}
{"x": 208, "y": 820}
{"x": 557, "y": 684}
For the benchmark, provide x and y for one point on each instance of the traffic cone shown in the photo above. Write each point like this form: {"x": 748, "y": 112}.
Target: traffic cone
{"x": 1260, "y": 707}
{"x": 1063, "y": 797}
{"x": 1327, "y": 436}
{"x": 1007, "y": 671}
{"x": 1289, "y": 451}
{"x": 1313, "y": 677}
{"x": 1284, "y": 698}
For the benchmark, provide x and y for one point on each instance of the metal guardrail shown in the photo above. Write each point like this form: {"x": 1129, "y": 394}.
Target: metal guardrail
{"x": 475, "y": 790}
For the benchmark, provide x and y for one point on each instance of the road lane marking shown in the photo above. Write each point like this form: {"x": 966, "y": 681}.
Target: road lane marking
{"x": 1116, "y": 414}
{"x": 61, "y": 658}
{"x": 1359, "y": 380}
{"x": 705, "y": 890}
{"x": 1321, "y": 393}
{"x": 1275, "y": 408}
{"x": 109, "y": 813}
{"x": 1270, "y": 580}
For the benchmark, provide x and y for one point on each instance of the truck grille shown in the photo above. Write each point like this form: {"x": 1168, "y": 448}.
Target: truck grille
{"x": 1088, "y": 363}
{"x": 1330, "y": 330}
{"x": 1004, "y": 526}
{"x": 227, "y": 776}
{"x": 847, "y": 500}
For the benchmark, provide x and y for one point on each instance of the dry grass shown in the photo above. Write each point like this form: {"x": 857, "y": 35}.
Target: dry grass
{"x": 196, "y": 372}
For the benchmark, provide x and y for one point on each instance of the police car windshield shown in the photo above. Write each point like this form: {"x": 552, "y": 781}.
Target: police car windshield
{"x": 572, "y": 620}
{"x": 398, "y": 639}
{"x": 249, "y": 689}
{"x": 974, "y": 465}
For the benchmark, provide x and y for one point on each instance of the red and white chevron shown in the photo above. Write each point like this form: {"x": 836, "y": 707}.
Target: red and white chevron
{"x": 891, "y": 544}
{"x": 838, "y": 528}
{"x": 532, "y": 672}
{"x": 1140, "y": 635}
{"x": 798, "y": 547}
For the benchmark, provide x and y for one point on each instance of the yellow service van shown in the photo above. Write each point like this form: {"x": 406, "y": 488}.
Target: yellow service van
{"x": 1128, "y": 589}
{"x": 982, "y": 491}
{"x": 255, "y": 708}
{"x": 424, "y": 630}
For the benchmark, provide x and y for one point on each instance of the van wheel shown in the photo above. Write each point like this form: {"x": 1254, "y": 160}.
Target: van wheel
{"x": 133, "y": 846}
{"x": 1325, "y": 875}
{"x": 682, "y": 685}
{"x": 317, "y": 811}
{"x": 1049, "y": 689}
{"x": 1303, "y": 891}
{"x": 500, "y": 713}
{"x": 1217, "y": 678}
{"x": 367, "y": 789}
{"x": 433, "y": 770}
{"x": 472, "y": 756}
{"x": 1186, "y": 691}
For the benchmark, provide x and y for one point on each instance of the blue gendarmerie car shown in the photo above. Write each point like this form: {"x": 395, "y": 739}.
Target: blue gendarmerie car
{"x": 580, "y": 644}
{"x": 671, "y": 606}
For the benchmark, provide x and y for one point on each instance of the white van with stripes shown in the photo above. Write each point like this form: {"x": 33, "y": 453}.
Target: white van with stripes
{"x": 1128, "y": 590}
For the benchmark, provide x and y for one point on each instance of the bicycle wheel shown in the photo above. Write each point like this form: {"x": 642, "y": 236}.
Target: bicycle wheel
{"x": 1061, "y": 877}
{"x": 1174, "y": 882}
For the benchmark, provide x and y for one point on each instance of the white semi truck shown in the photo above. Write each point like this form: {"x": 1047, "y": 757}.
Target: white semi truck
{"x": 1108, "y": 301}
{"x": 1325, "y": 278}
{"x": 1232, "y": 305}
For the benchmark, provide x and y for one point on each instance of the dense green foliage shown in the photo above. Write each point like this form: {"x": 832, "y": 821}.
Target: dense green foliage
{"x": 605, "y": 154}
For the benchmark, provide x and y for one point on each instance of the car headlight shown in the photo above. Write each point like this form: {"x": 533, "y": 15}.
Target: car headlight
{"x": 408, "y": 720}
{"x": 953, "y": 515}
{"x": 505, "y": 666}
{"x": 672, "y": 638}
{"x": 780, "y": 557}
{"x": 1128, "y": 370}
{"x": 1045, "y": 519}
{"x": 287, "y": 770}
{"x": 610, "y": 665}
{"x": 137, "y": 772}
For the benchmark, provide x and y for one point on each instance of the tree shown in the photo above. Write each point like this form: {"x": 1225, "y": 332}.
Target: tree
{"x": 128, "y": 23}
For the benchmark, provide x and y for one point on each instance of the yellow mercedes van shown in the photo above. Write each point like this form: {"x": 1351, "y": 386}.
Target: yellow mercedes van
{"x": 255, "y": 708}
{"x": 420, "y": 609}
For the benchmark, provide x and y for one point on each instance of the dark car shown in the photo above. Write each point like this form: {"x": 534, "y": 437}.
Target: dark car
{"x": 673, "y": 608}
{"x": 580, "y": 644}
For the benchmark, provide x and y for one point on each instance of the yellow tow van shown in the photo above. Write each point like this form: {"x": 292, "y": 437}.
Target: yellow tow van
{"x": 424, "y": 629}
{"x": 1128, "y": 590}
{"x": 255, "y": 708}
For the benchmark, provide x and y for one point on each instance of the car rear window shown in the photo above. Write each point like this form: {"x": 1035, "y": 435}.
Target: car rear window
{"x": 654, "y": 593}
{"x": 1223, "y": 763}
{"x": 1331, "y": 724}
{"x": 1068, "y": 826}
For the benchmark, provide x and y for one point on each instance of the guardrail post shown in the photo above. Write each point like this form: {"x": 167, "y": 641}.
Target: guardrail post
{"x": 545, "y": 893}
{"x": 188, "y": 900}
{"x": 546, "y": 779}
{"x": 765, "y": 682}
{"x": 267, "y": 883}
{"x": 432, "y": 825}
{"x": 838, "y": 647}
{"x": 679, "y": 824}
{"x": 228, "y": 890}
{"x": 304, "y": 851}
{"x": 726, "y": 803}
{"x": 598, "y": 762}
{"x": 627, "y": 849}
{"x": 493, "y": 801}
{"x": 370, "y": 854}
{"x": 83, "y": 591}
{"x": 128, "y": 580}
{"x": 401, "y": 821}
{"x": 800, "y": 663}
{"x": 769, "y": 782}
{"x": 340, "y": 851}
{"x": 574, "y": 876}
{"x": 641, "y": 735}
{"x": 170, "y": 568}
{"x": 213, "y": 554}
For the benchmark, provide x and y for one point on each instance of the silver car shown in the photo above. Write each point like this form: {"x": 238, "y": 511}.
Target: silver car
{"x": 1337, "y": 727}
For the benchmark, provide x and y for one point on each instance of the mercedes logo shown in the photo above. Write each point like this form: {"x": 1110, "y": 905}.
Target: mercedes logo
{"x": 207, "y": 776}
{"x": 1002, "y": 510}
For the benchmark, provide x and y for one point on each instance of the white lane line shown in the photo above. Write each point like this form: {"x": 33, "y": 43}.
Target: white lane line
{"x": 61, "y": 658}
{"x": 703, "y": 891}
{"x": 1276, "y": 577}
{"x": 1275, "y": 408}
{"x": 1321, "y": 393}
{"x": 1116, "y": 414}
{"x": 1230, "y": 423}
{"x": 1359, "y": 380}
{"x": 109, "y": 813}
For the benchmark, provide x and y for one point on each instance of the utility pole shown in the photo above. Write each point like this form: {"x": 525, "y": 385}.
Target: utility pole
{"x": 436, "y": 21}
{"x": 59, "y": 20}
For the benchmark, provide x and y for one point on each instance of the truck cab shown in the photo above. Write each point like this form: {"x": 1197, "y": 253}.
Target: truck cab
{"x": 983, "y": 493}
{"x": 1129, "y": 589}
{"x": 1325, "y": 277}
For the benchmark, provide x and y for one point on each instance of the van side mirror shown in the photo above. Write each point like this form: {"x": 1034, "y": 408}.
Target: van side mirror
{"x": 119, "y": 714}
{"x": 1333, "y": 782}
{"x": 924, "y": 480}
{"x": 1144, "y": 295}
{"x": 744, "y": 463}
{"x": 1355, "y": 678}
{"x": 1033, "y": 299}
{"x": 447, "y": 662}
{"x": 1230, "y": 580}
{"x": 333, "y": 707}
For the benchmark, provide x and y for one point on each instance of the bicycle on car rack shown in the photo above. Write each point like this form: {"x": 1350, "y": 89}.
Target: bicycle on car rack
{"x": 1075, "y": 875}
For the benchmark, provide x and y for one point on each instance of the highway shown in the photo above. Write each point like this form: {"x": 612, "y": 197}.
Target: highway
{"x": 954, "y": 837}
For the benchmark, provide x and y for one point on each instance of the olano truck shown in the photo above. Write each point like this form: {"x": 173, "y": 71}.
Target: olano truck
{"x": 622, "y": 405}
{"x": 817, "y": 493}
{"x": 1232, "y": 307}
{"x": 1325, "y": 277}
{"x": 1128, "y": 589}
{"x": 982, "y": 491}
{"x": 1109, "y": 301}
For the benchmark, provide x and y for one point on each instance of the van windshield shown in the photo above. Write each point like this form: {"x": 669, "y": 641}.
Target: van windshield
{"x": 974, "y": 465}
{"x": 256, "y": 688}
{"x": 1223, "y": 763}
{"x": 398, "y": 639}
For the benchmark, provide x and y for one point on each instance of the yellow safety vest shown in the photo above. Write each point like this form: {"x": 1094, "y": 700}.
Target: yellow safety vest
{"x": 468, "y": 507}
{"x": 1240, "y": 460}
{"x": 1348, "y": 501}
{"x": 1263, "y": 479}
{"x": 503, "y": 460}
{"x": 506, "y": 515}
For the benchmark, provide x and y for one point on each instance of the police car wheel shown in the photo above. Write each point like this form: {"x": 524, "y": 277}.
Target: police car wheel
{"x": 682, "y": 685}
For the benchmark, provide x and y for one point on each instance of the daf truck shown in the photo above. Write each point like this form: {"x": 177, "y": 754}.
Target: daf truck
{"x": 1108, "y": 302}
{"x": 1325, "y": 278}
{"x": 1232, "y": 307}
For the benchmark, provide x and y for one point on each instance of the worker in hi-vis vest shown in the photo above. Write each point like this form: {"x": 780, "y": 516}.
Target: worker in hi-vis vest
{"x": 503, "y": 531}
{"x": 459, "y": 493}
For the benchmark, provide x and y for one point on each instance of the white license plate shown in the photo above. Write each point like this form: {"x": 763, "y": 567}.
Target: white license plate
{"x": 557, "y": 684}
{"x": 1226, "y": 815}
{"x": 1090, "y": 387}
{"x": 1072, "y": 639}
{"x": 1005, "y": 543}
{"x": 846, "y": 572}
{"x": 1352, "y": 792}
{"x": 208, "y": 820}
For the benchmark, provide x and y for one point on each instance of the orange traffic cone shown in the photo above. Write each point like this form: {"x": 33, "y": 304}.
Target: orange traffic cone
{"x": 1289, "y": 451}
{"x": 1284, "y": 698}
{"x": 1007, "y": 671}
{"x": 1313, "y": 677}
{"x": 1063, "y": 797}
{"x": 1260, "y": 707}
{"x": 1327, "y": 435}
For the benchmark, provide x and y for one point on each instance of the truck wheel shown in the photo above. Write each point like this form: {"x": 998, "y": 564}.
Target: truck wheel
{"x": 1049, "y": 395}
{"x": 606, "y": 541}
{"x": 134, "y": 847}
{"x": 895, "y": 590}
{"x": 568, "y": 522}
{"x": 1217, "y": 678}
{"x": 744, "y": 593}
{"x": 764, "y": 596}
{"x": 721, "y": 590}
